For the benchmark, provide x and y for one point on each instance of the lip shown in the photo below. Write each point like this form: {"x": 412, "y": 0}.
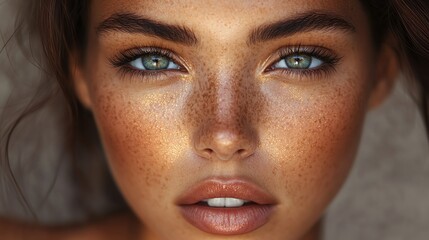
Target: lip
{"x": 226, "y": 221}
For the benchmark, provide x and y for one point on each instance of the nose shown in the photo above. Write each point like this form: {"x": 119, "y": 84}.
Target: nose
{"x": 225, "y": 140}
{"x": 226, "y": 126}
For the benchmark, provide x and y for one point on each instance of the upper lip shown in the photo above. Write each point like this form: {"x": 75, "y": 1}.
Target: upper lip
{"x": 226, "y": 188}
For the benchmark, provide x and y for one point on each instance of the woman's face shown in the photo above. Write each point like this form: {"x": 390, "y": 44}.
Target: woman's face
{"x": 237, "y": 118}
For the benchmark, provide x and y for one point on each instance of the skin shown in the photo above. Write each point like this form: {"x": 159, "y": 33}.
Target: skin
{"x": 115, "y": 227}
{"x": 294, "y": 135}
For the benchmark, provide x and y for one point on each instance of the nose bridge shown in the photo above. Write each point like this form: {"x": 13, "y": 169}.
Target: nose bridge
{"x": 232, "y": 88}
{"x": 226, "y": 127}
{"x": 231, "y": 100}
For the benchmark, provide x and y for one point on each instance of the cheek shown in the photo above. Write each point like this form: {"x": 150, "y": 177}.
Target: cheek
{"x": 137, "y": 130}
{"x": 312, "y": 139}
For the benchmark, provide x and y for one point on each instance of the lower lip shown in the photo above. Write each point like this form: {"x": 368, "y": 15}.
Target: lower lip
{"x": 227, "y": 221}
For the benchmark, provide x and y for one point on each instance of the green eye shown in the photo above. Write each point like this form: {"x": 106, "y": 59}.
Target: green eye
{"x": 299, "y": 61}
{"x": 153, "y": 62}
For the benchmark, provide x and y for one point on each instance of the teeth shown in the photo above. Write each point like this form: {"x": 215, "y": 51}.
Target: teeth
{"x": 225, "y": 202}
{"x": 233, "y": 202}
{"x": 216, "y": 202}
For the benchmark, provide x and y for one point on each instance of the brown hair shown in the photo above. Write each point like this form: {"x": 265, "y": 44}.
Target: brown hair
{"x": 408, "y": 22}
{"x": 60, "y": 27}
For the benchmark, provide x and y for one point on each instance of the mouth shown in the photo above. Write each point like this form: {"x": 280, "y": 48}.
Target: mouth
{"x": 226, "y": 206}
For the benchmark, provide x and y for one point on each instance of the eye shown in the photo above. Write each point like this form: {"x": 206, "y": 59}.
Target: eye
{"x": 151, "y": 62}
{"x": 299, "y": 61}
{"x": 304, "y": 62}
{"x": 146, "y": 60}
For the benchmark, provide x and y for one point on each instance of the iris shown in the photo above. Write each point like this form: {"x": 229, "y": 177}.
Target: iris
{"x": 298, "y": 61}
{"x": 153, "y": 62}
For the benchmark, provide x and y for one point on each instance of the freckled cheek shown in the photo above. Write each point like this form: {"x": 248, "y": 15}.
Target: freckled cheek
{"x": 314, "y": 144}
{"x": 136, "y": 138}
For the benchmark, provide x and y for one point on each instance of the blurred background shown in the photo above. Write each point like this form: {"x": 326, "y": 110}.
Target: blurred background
{"x": 385, "y": 197}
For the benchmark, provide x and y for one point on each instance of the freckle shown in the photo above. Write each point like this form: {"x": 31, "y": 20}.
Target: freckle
{"x": 166, "y": 179}
{"x": 274, "y": 171}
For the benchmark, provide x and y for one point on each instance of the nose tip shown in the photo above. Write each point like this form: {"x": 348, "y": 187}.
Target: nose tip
{"x": 225, "y": 145}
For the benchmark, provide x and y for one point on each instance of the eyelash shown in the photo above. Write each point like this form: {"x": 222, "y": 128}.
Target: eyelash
{"x": 123, "y": 60}
{"x": 329, "y": 59}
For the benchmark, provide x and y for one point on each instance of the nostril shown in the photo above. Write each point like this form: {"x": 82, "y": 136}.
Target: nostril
{"x": 241, "y": 152}
{"x": 244, "y": 153}
{"x": 208, "y": 152}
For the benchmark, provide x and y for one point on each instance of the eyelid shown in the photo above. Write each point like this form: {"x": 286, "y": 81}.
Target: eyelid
{"x": 129, "y": 73}
{"x": 123, "y": 59}
{"x": 321, "y": 53}
{"x": 327, "y": 56}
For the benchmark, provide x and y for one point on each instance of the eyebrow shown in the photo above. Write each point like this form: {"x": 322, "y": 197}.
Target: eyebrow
{"x": 301, "y": 23}
{"x": 131, "y": 23}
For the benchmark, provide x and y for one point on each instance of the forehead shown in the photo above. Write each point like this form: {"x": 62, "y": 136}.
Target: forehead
{"x": 223, "y": 17}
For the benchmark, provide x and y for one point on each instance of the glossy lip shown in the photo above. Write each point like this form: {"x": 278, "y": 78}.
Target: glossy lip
{"x": 226, "y": 221}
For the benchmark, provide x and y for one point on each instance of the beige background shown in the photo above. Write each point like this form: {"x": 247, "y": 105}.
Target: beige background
{"x": 386, "y": 196}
